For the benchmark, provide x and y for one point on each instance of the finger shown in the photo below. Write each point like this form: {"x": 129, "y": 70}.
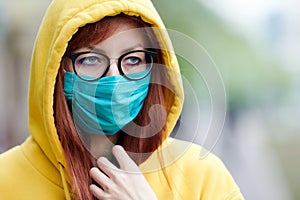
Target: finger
{"x": 125, "y": 162}
{"x": 106, "y": 166}
{"x": 97, "y": 192}
{"x": 100, "y": 178}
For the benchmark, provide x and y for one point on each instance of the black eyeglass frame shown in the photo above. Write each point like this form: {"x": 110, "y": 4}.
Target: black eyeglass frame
{"x": 152, "y": 53}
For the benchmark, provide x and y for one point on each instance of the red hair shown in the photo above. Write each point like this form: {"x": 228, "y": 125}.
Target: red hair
{"x": 78, "y": 158}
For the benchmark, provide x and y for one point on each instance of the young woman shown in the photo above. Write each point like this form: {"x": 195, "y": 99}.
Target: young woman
{"x": 105, "y": 94}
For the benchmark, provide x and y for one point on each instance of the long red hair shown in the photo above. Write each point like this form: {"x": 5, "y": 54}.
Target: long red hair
{"x": 78, "y": 158}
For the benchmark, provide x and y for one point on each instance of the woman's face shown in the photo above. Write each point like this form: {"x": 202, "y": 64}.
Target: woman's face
{"x": 124, "y": 39}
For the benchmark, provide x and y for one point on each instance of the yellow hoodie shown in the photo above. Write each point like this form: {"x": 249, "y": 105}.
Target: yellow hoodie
{"x": 34, "y": 169}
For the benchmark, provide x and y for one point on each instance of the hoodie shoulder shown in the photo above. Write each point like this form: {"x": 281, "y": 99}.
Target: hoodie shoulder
{"x": 204, "y": 175}
{"x": 21, "y": 179}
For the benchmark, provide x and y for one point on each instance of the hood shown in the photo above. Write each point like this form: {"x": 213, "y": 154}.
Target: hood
{"x": 61, "y": 21}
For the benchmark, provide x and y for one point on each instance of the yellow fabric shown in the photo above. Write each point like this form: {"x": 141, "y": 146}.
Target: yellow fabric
{"x": 27, "y": 174}
{"x": 37, "y": 169}
{"x": 191, "y": 176}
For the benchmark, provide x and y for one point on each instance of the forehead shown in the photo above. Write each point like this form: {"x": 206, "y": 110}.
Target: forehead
{"x": 124, "y": 37}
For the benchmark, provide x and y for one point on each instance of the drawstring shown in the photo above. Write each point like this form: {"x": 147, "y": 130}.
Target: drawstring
{"x": 65, "y": 185}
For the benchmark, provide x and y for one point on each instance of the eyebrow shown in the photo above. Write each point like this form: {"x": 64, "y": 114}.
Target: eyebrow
{"x": 134, "y": 47}
{"x": 139, "y": 45}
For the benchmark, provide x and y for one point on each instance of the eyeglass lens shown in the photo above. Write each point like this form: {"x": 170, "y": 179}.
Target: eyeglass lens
{"x": 134, "y": 65}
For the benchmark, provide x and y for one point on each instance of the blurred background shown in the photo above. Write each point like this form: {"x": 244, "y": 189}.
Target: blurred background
{"x": 255, "y": 45}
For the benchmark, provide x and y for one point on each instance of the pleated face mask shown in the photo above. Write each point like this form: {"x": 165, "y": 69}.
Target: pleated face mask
{"x": 104, "y": 106}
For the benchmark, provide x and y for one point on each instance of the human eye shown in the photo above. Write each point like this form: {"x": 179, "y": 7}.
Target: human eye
{"x": 91, "y": 60}
{"x": 134, "y": 59}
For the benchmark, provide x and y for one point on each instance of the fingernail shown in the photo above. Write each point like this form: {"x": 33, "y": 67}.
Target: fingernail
{"x": 119, "y": 147}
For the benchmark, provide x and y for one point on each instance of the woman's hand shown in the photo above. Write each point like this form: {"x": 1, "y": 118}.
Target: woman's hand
{"x": 126, "y": 182}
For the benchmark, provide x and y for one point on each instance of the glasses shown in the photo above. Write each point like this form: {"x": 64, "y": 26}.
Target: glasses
{"x": 133, "y": 65}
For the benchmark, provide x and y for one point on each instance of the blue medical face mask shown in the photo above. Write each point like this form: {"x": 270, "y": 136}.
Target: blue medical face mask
{"x": 104, "y": 106}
